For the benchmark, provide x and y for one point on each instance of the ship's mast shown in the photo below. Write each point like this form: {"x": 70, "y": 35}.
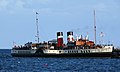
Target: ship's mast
{"x": 95, "y": 28}
{"x": 37, "y": 27}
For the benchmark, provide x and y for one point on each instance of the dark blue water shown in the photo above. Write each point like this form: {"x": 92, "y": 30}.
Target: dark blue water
{"x": 37, "y": 64}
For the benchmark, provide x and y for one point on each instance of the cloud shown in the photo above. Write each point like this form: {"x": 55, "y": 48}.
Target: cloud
{"x": 43, "y": 1}
{"x": 12, "y": 6}
{"x": 44, "y": 6}
{"x": 52, "y": 11}
{"x": 3, "y": 4}
{"x": 19, "y": 4}
{"x": 107, "y": 6}
{"x": 56, "y": 7}
{"x": 100, "y": 7}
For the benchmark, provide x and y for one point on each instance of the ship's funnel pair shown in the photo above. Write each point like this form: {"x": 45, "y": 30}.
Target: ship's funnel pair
{"x": 60, "y": 38}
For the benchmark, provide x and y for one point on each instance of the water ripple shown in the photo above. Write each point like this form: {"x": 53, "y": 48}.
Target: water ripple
{"x": 37, "y": 64}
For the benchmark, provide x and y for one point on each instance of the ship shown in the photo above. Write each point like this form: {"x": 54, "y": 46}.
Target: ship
{"x": 75, "y": 47}
{"x": 56, "y": 48}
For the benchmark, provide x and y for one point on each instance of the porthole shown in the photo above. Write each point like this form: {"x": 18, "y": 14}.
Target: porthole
{"x": 74, "y": 51}
{"x": 59, "y": 51}
{"x": 89, "y": 51}
{"x": 77, "y": 51}
{"x": 65, "y": 51}
{"x": 81, "y": 51}
{"x": 71, "y": 51}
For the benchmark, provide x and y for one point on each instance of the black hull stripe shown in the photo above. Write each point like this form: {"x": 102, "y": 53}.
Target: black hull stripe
{"x": 65, "y": 55}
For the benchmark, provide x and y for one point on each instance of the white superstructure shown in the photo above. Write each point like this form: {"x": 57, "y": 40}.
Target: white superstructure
{"x": 98, "y": 50}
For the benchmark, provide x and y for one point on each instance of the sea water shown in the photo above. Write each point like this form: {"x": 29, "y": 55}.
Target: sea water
{"x": 38, "y": 64}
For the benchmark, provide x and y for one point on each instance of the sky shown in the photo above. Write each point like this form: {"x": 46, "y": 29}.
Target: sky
{"x": 17, "y": 20}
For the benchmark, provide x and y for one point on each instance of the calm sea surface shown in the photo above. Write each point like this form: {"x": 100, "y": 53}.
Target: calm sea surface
{"x": 37, "y": 64}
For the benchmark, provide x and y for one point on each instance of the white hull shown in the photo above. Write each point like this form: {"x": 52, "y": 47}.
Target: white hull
{"x": 101, "y": 52}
